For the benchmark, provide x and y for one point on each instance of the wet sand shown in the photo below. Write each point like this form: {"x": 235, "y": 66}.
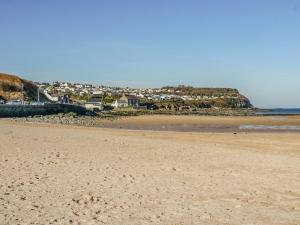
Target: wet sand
{"x": 205, "y": 123}
{"x": 53, "y": 174}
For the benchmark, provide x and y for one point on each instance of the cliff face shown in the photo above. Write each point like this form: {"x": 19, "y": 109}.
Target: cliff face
{"x": 11, "y": 88}
{"x": 193, "y": 105}
{"x": 203, "y": 98}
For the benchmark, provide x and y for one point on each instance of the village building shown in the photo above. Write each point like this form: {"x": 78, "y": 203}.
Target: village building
{"x": 119, "y": 103}
{"x": 94, "y": 104}
{"x": 126, "y": 101}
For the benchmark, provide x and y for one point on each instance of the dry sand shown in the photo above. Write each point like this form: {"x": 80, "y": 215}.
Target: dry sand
{"x": 74, "y": 175}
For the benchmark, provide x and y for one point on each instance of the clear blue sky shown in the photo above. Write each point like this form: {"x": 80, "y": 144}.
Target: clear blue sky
{"x": 250, "y": 45}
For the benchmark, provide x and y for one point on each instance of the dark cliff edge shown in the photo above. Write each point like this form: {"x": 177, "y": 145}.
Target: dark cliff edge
{"x": 11, "y": 89}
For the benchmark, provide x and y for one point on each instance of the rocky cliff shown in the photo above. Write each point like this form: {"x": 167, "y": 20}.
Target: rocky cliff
{"x": 11, "y": 88}
{"x": 202, "y": 98}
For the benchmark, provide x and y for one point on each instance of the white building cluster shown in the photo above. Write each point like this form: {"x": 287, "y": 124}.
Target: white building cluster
{"x": 155, "y": 94}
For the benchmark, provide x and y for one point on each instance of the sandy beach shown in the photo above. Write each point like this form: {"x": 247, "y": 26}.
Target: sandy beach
{"x": 55, "y": 174}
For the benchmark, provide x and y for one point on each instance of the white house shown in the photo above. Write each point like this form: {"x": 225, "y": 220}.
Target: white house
{"x": 119, "y": 103}
{"x": 94, "y": 104}
{"x": 126, "y": 101}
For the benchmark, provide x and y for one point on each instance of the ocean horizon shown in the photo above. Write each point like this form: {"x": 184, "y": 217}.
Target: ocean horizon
{"x": 280, "y": 111}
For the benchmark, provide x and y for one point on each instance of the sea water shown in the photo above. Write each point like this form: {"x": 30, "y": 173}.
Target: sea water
{"x": 268, "y": 127}
{"x": 274, "y": 112}
{"x": 280, "y": 111}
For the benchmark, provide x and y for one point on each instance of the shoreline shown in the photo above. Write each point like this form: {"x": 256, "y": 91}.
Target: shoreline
{"x": 182, "y": 123}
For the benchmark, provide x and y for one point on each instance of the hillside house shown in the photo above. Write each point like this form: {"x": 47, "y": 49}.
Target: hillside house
{"x": 126, "y": 101}
{"x": 119, "y": 103}
{"x": 94, "y": 104}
